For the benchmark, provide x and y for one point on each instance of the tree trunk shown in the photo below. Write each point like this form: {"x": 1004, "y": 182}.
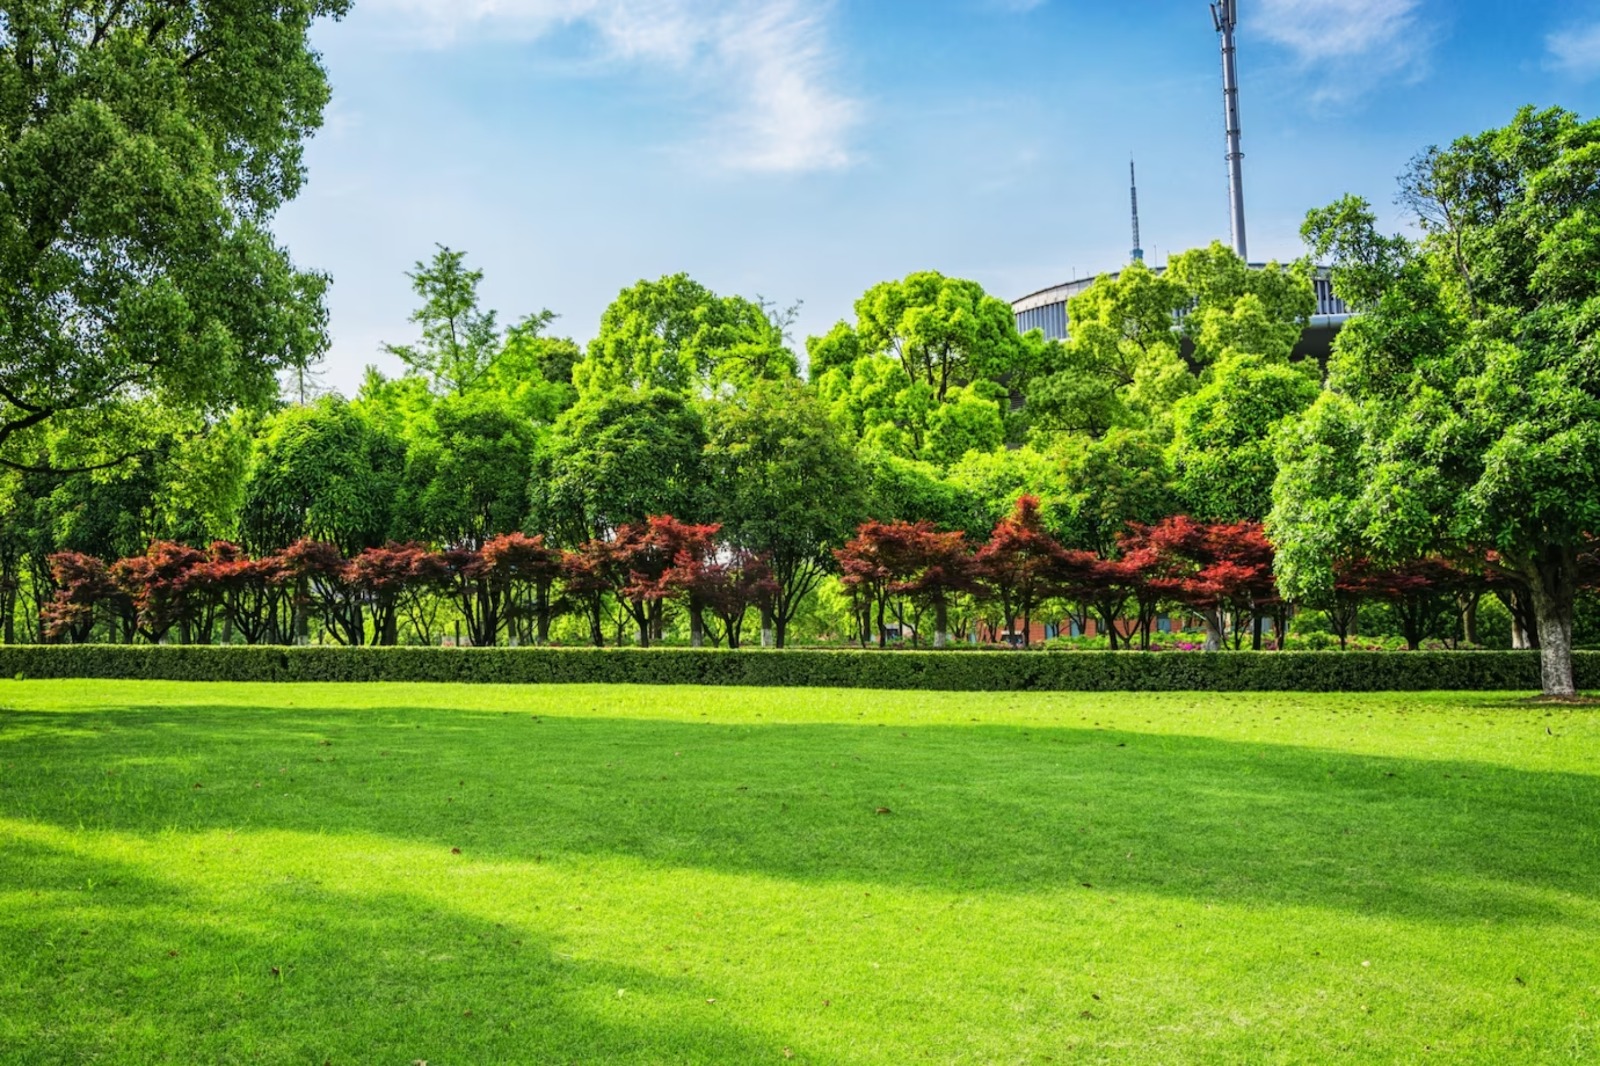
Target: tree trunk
{"x": 1213, "y": 620}
{"x": 697, "y": 626}
{"x": 1469, "y": 618}
{"x": 300, "y": 621}
{"x": 941, "y": 625}
{"x": 766, "y": 627}
{"x": 541, "y": 609}
{"x": 1553, "y": 584}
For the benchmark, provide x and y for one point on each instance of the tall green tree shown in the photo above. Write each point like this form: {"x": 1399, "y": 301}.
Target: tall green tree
{"x": 461, "y": 341}
{"x": 787, "y": 487}
{"x": 944, "y": 332}
{"x": 1224, "y": 435}
{"x": 675, "y": 334}
{"x": 1123, "y": 366}
{"x": 321, "y": 472}
{"x": 1238, "y": 310}
{"x": 144, "y": 149}
{"x": 1475, "y": 367}
{"x": 617, "y": 459}
{"x": 466, "y": 473}
{"x": 1107, "y": 483}
{"x": 839, "y": 348}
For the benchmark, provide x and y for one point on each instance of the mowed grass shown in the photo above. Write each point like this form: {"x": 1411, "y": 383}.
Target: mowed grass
{"x": 466, "y": 875}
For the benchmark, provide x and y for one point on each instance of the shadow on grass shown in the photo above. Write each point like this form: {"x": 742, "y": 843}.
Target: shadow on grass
{"x": 1015, "y": 809}
{"x": 107, "y": 963}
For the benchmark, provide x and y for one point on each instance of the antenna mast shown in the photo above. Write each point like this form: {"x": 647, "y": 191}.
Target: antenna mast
{"x": 1138, "y": 247}
{"x": 1225, "y": 13}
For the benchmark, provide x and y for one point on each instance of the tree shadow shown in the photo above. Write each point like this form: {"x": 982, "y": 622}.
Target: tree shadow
{"x": 964, "y": 809}
{"x": 110, "y": 962}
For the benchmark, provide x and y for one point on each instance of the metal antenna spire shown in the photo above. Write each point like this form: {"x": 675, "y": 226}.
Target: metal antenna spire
{"x": 1138, "y": 246}
{"x": 1225, "y": 13}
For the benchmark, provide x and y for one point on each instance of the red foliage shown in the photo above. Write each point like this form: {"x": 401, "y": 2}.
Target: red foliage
{"x": 382, "y": 576}
{"x": 320, "y": 577}
{"x": 1222, "y": 571}
{"x": 252, "y": 592}
{"x": 1421, "y": 592}
{"x": 528, "y": 569}
{"x": 587, "y": 575}
{"x": 83, "y": 584}
{"x": 1022, "y": 564}
{"x": 169, "y": 586}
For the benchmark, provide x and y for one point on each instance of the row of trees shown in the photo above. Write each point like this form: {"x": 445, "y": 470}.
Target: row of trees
{"x": 515, "y": 586}
{"x": 511, "y": 588}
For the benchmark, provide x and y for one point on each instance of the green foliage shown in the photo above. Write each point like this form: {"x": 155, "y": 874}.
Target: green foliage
{"x": 1238, "y": 311}
{"x": 1473, "y": 371}
{"x": 1106, "y": 484}
{"x": 460, "y": 341}
{"x": 321, "y": 472}
{"x": 1223, "y": 435}
{"x": 466, "y": 473}
{"x": 679, "y": 336}
{"x": 1142, "y": 341}
{"x": 968, "y": 422}
{"x": 991, "y": 483}
{"x": 143, "y": 151}
{"x": 616, "y": 459}
{"x": 787, "y": 486}
{"x": 1320, "y": 498}
{"x": 1122, "y": 366}
{"x": 905, "y": 490}
{"x": 944, "y": 333}
{"x": 904, "y": 670}
{"x": 533, "y": 373}
{"x": 838, "y": 350}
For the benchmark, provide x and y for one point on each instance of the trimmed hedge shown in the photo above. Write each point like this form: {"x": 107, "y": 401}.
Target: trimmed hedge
{"x": 990, "y": 672}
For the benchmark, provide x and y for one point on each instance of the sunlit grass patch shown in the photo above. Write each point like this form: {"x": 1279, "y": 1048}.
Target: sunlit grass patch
{"x": 367, "y": 874}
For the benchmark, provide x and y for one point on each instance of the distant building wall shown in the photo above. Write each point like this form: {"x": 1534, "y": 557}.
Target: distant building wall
{"x": 1046, "y": 311}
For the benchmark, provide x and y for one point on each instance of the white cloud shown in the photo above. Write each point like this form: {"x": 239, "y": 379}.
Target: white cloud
{"x": 1349, "y": 46}
{"x": 766, "y": 63}
{"x": 1575, "y": 51}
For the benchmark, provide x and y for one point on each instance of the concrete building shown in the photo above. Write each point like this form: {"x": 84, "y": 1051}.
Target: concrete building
{"x": 1046, "y": 310}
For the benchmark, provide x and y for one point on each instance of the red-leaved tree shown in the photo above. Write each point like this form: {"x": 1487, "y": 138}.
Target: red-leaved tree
{"x": 1022, "y": 565}
{"x": 254, "y": 594}
{"x": 1223, "y": 572}
{"x": 872, "y": 566}
{"x": 169, "y": 589}
{"x": 660, "y": 561}
{"x": 382, "y": 577}
{"x": 527, "y": 570}
{"x": 83, "y": 588}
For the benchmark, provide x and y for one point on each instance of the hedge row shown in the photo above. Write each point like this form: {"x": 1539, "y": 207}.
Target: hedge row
{"x": 992, "y": 672}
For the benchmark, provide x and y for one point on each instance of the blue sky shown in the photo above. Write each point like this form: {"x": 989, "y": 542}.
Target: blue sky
{"x": 802, "y": 150}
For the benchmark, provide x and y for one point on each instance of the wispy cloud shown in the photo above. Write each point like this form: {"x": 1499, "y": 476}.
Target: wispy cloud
{"x": 1349, "y": 47}
{"x": 767, "y": 64}
{"x": 1575, "y": 51}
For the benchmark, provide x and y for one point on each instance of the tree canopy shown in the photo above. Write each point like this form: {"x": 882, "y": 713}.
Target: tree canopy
{"x": 144, "y": 149}
{"x": 1472, "y": 372}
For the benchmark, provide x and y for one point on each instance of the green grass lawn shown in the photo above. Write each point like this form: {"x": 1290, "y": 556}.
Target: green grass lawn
{"x": 470, "y": 876}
